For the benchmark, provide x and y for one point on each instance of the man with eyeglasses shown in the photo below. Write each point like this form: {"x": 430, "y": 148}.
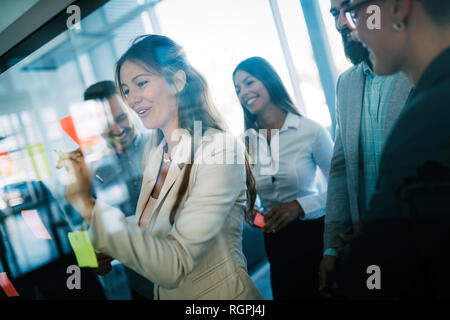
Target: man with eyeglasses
{"x": 367, "y": 106}
{"x": 352, "y": 9}
{"x": 405, "y": 232}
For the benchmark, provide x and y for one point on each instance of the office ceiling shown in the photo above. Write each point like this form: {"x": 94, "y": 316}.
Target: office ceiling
{"x": 11, "y": 10}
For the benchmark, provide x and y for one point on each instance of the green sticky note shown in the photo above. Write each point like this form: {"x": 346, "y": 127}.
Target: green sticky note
{"x": 39, "y": 161}
{"x": 84, "y": 251}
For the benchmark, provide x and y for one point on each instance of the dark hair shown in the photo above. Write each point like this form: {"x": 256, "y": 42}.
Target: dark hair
{"x": 438, "y": 10}
{"x": 100, "y": 90}
{"x": 166, "y": 57}
{"x": 262, "y": 70}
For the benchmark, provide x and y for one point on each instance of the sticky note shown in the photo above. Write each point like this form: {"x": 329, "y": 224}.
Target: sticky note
{"x": 33, "y": 221}
{"x": 39, "y": 161}
{"x": 7, "y": 286}
{"x": 84, "y": 251}
{"x": 90, "y": 142}
{"x": 69, "y": 127}
{"x": 259, "y": 220}
{"x": 7, "y": 165}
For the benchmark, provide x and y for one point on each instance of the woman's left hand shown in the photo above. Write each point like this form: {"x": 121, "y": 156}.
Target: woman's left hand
{"x": 280, "y": 216}
{"x": 78, "y": 191}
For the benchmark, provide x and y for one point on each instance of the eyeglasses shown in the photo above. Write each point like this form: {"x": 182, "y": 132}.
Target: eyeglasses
{"x": 351, "y": 14}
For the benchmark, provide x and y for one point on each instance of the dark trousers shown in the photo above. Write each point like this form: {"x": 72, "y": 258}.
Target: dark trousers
{"x": 294, "y": 254}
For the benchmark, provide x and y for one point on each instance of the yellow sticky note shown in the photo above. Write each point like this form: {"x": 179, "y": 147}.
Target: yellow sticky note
{"x": 84, "y": 251}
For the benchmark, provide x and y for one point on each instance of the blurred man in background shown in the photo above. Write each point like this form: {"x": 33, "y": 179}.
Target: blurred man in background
{"x": 123, "y": 169}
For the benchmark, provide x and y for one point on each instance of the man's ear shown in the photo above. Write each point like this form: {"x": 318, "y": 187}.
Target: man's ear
{"x": 401, "y": 10}
{"x": 179, "y": 80}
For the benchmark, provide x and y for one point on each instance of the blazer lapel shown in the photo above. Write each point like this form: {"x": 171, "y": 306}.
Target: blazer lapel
{"x": 181, "y": 156}
{"x": 149, "y": 178}
{"x": 355, "y": 102}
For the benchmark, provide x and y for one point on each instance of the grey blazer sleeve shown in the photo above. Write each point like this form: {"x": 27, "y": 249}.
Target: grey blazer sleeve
{"x": 338, "y": 217}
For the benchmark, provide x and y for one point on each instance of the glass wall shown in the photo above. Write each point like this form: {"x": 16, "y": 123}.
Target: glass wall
{"x": 35, "y": 95}
{"x": 334, "y": 38}
{"x": 217, "y": 35}
{"x": 46, "y": 86}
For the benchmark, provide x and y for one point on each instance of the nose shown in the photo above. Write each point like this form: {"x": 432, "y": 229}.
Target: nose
{"x": 242, "y": 94}
{"x": 116, "y": 129}
{"x": 341, "y": 22}
{"x": 133, "y": 99}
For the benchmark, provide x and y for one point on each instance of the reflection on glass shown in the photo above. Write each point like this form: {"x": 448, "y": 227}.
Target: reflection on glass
{"x": 48, "y": 86}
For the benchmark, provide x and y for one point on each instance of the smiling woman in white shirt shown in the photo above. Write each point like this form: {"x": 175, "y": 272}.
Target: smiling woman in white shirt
{"x": 286, "y": 149}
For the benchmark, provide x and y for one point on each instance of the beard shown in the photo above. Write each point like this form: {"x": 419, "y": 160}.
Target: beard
{"x": 355, "y": 50}
{"x": 116, "y": 143}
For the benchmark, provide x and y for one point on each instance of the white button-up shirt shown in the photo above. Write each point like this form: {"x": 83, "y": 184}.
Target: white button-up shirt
{"x": 286, "y": 169}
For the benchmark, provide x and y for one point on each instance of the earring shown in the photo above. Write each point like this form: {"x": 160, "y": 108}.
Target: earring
{"x": 173, "y": 88}
{"x": 398, "y": 26}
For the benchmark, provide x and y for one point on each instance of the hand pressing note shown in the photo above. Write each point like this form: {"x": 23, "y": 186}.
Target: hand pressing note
{"x": 79, "y": 190}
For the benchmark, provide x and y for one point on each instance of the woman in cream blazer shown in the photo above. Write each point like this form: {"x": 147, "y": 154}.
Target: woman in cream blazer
{"x": 187, "y": 235}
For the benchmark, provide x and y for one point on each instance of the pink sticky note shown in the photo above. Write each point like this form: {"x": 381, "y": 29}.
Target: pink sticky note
{"x": 259, "y": 220}
{"x": 7, "y": 285}
{"x": 33, "y": 221}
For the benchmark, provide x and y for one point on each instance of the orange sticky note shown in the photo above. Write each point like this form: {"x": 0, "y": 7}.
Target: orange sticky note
{"x": 259, "y": 220}
{"x": 69, "y": 127}
{"x": 90, "y": 142}
{"x": 33, "y": 221}
{"x": 7, "y": 285}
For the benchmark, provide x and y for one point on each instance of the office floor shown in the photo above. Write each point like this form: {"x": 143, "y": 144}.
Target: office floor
{"x": 116, "y": 282}
{"x": 262, "y": 281}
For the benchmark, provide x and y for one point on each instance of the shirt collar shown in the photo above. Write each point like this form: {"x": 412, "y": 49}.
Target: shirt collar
{"x": 292, "y": 121}
{"x": 366, "y": 69}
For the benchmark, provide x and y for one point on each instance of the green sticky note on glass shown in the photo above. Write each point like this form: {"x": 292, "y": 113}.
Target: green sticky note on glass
{"x": 84, "y": 251}
{"x": 39, "y": 161}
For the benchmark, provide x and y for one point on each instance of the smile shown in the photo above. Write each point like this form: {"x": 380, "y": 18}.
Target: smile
{"x": 143, "y": 112}
{"x": 250, "y": 101}
{"x": 122, "y": 137}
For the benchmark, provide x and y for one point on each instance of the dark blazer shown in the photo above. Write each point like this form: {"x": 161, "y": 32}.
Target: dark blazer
{"x": 406, "y": 231}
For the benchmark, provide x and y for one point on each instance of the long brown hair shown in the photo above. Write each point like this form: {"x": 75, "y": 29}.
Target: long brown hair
{"x": 194, "y": 104}
{"x": 262, "y": 70}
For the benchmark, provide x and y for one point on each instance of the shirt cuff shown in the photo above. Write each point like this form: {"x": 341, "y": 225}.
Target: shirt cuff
{"x": 105, "y": 222}
{"x": 310, "y": 207}
{"x": 91, "y": 228}
{"x": 330, "y": 252}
